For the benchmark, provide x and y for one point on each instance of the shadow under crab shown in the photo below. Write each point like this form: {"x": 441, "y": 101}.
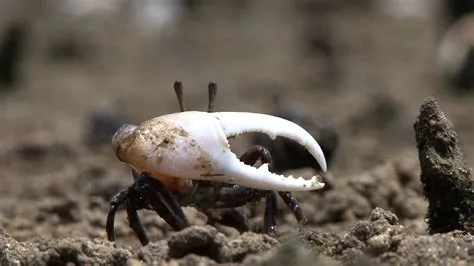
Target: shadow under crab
{"x": 217, "y": 200}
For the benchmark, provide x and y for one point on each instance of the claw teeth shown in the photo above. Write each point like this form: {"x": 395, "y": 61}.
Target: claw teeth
{"x": 261, "y": 178}
{"x": 264, "y": 168}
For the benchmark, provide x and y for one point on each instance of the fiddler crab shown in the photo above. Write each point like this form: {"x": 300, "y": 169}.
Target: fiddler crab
{"x": 184, "y": 159}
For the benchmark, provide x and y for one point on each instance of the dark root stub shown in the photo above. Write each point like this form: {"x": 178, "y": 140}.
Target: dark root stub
{"x": 446, "y": 179}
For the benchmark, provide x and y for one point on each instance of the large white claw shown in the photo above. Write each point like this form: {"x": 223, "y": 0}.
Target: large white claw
{"x": 193, "y": 145}
{"x": 236, "y": 123}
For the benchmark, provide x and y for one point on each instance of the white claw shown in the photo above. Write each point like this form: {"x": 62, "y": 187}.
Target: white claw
{"x": 193, "y": 145}
{"x": 261, "y": 178}
{"x": 263, "y": 167}
{"x": 236, "y": 123}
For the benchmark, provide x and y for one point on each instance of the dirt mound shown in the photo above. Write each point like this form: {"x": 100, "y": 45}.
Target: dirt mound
{"x": 379, "y": 240}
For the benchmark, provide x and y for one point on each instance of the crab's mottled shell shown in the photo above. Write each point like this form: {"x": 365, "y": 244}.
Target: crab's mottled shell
{"x": 179, "y": 147}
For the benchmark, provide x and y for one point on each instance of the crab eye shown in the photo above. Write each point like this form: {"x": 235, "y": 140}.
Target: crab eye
{"x": 122, "y": 138}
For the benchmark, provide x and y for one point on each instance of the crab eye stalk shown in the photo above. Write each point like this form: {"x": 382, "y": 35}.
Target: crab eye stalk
{"x": 178, "y": 89}
{"x": 212, "y": 87}
{"x": 122, "y": 139}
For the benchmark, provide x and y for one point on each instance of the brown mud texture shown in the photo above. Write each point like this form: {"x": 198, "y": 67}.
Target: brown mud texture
{"x": 349, "y": 224}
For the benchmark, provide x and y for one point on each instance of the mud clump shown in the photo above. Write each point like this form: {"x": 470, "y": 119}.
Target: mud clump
{"x": 202, "y": 245}
{"x": 381, "y": 240}
{"x": 207, "y": 241}
{"x": 60, "y": 252}
{"x": 249, "y": 243}
{"x": 379, "y": 234}
{"x": 393, "y": 186}
{"x": 203, "y": 241}
{"x": 291, "y": 252}
{"x": 378, "y": 240}
{"x": 447, "y": 181}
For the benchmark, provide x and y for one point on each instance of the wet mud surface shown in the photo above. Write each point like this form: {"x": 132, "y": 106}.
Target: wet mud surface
{"x": 399, "y": 190}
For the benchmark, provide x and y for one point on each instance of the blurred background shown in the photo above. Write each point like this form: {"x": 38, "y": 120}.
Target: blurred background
{"x": 353, "y": 73}
{"x": 363, "y": 67}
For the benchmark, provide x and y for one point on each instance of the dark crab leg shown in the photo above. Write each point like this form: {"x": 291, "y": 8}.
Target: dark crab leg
{"x": 145, "y": 193}
{"x": 135, "y": 223}
{"x": 259, "y": 152}
{"x": 117, "y": 201}
{"x": 293, "y": 205}
{"x": 256, "y": 153}
{"x": 270, "y": 216}
{"x": 125, "y": 198}
{"x": 229, "y": 217}
{"x": 229, "y": 197}
{"x": 160, "y": 204}
{"x": 162, "y": 200}
{"x": 235, "y": 196}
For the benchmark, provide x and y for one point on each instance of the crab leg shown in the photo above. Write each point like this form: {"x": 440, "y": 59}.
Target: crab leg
{"x": 229, "y": 217}
{"x": 270, "y": 216}
{"x": 117, "y": 201}
{"x": 161, "y": 200}
{"x": 135, "y": 223}
{"x": 174, "y": 217}
{"x": 294, "y": 206}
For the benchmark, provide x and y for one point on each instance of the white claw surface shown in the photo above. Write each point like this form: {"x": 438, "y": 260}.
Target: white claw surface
{"x": 236, "y": 123}
{"x": 193, "y": 145}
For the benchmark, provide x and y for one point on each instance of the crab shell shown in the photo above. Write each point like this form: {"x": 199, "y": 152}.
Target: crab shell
{"x": 180, "y": 147}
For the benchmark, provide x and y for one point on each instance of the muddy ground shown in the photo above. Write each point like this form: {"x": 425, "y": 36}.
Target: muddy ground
{"x": 364, "y": 72}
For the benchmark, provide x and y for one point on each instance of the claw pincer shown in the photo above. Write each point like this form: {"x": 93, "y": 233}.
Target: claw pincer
{"x": 193, "y": 145}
